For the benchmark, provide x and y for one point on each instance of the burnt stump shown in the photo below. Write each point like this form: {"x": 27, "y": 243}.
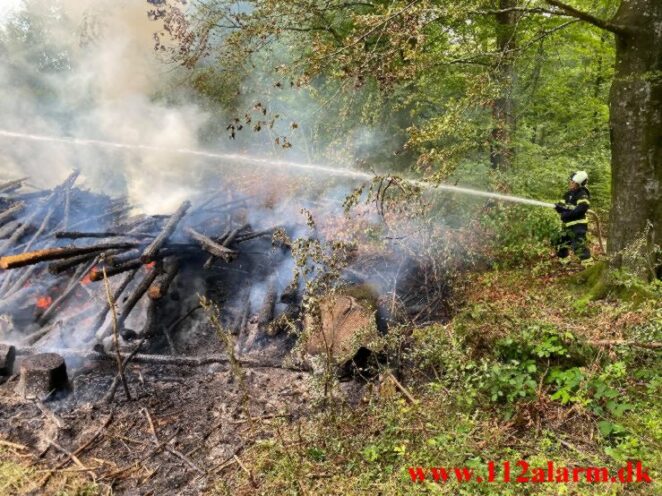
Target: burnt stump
{"x": 7, "y": 356}
{"x": 41, "y": 375}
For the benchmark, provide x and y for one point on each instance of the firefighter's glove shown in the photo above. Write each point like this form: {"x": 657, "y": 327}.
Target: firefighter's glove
{"x": 560, "y": 207}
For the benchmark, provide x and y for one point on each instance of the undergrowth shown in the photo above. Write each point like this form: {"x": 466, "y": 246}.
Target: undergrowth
{"x": 520, "y": 373}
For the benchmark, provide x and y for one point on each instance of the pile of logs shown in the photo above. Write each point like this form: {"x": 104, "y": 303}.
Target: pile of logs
{"x": 56, "y": 244}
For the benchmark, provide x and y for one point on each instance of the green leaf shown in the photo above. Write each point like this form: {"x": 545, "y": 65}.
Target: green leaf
{"x": 605, "y": 427}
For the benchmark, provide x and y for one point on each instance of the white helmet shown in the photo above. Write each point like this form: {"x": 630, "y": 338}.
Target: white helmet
{"x": 579, "y": 177}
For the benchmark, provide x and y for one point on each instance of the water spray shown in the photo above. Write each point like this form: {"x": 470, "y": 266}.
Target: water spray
{"x": 268, "y": 162}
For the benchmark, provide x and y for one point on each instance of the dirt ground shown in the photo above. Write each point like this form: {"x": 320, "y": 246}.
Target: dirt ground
{"x": 183, "y": 428}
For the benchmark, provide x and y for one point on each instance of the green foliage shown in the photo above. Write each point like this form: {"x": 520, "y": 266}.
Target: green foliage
{"x": 520, "y": 233}
{"x": 411, "y": 85}
{"x": 509, "y": 382}
{"x": 539, "y": 343}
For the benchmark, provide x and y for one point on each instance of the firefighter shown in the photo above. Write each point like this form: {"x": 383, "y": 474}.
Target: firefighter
{"x": 572, "y": 210}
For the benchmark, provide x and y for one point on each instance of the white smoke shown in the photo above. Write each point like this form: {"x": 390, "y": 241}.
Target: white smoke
{"x": 88, "y": 68}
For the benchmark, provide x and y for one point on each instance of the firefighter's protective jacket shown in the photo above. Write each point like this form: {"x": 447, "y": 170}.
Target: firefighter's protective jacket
{"x": 577, "y": 202}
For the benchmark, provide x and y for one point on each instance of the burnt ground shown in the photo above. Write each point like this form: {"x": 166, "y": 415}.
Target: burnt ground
{"x": 202, "y": 417}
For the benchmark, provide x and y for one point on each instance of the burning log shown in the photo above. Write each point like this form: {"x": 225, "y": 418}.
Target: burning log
{"x": 7, "y": 355}
{"x": 76, "y": 279}
{"x": 56, "y": 268}
{"x": 210, "y": 245}
{"x": 11, "y": 211}
{"x": 48, "y": 254}
{"x": 168, "y": 229}
{"x": 160, "y": 286}
{"x": 41, "y": 375}
{"x": 117, "y": 269}
{"x": 10, "y": 186}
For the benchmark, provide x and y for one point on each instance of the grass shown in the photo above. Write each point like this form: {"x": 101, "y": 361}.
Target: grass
{"x": 18, "y": 477}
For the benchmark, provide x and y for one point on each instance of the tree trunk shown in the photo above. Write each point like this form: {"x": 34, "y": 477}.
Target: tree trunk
{"x": 503, "y": 108}
{"x": 636, "y": 126}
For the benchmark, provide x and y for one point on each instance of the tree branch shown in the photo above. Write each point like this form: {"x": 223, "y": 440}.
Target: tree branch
{"x": 586, "y": 17}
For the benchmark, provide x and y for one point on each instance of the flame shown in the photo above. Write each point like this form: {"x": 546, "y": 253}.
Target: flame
{"x": 88, "y": 277}
{"x": 43, "y": 302}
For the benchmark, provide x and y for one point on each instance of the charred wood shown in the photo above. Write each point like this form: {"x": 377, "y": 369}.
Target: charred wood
{"x": 7, "y": 290}
{"x": 252, "y": 235}
{"x": 266, "y": 312}
{"x": 109, "y": 234}
{"x": 239, "y": 202}
{"x": 116, "y": 295}
{"x": 120, "y": 258}
{"x": 42, "y": 374}
{"x": 21, "y": 231}
{"x": 42, "y": 227}
{"x": 11, "y": 212}
{"x": 17, "y": 299}
{"x": 241, "y": 317}
{"x": 225, "y": 240}
{"x": 32, "y": 338}
{"x": 159, "y": 287}
{"x": 56, "y": 268}
{"x": 33, "y": 195}
{"x": 80, "y": 274}
{"x": 138, "y": 293}
{"x": 10, "y": 186}
{"x": 115, "y": 270}
{"x": 10, "y": 227}
{"x": 115, "y": 213}
{"x": 168, "y": 229}
{"x": 210, "y": 245}
{"x": 191, "y": 361}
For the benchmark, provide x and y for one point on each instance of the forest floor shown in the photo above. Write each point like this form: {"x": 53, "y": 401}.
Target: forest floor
{"x": 522, "y": 371}
{"x": 513, "y": 376}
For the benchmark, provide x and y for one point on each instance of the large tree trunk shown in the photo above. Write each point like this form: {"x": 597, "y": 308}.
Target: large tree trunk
{"x": 636, "y": 126}
{"x": 503, "y": 108}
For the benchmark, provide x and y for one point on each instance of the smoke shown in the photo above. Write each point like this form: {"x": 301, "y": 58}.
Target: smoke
{"x": 88, "y": 68}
